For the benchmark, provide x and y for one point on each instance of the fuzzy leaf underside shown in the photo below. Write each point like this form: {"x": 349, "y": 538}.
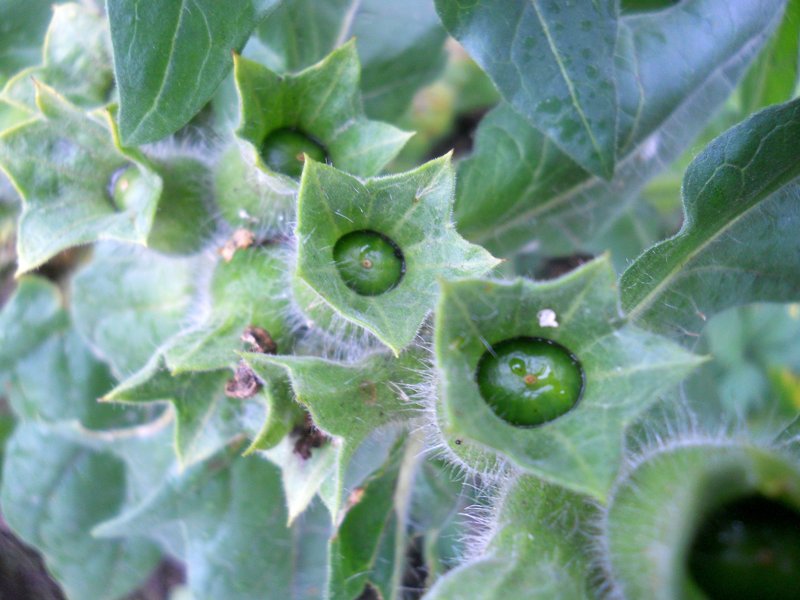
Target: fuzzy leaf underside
{"x": 739, "y": 241}
{"x": 170, "y": 57}
{"x": 519, "y": 189}
{"x": 232, "y": 517}
{"x": 38, "y": 338}
{"x": 76, "y": 60}
{"x": 554, "y": 63}
{"x": 62, "y": 162}
{"x": 24, "y": 23}
{"x": 625, "y": 369}
{"x": 538, "y": 549}
{"x": 55, "y": 492}
{"x": 413, "y": 210}
{"x": 127, "y": 301}
{"x": 298, "y": 33}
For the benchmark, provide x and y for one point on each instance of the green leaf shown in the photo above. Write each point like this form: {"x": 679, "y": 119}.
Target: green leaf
{"x": 738, "y": 241}
{"x": 51, "y": 374}
{"x": 29, "y": 318}
{"x": 61, "y": 163}
{"x": 333, "y": 392}
{"x": 774, "y": 76}
{"x": 789, "y": 438}
{"x": 302, "y": 478}
{"x": 206, "y": 418}
{"x": 554, "y": 63}
{"x": 232, "y": 516}
{"x": 538, "y": 548}
{"x": 22, "y": 27}
{"x": 438, "y": 506}
{"x": 519, "y": 189}
{"x": 658, "y": 507}
{"x": 413, "y": 210}
{"x": 127, "y": 301}
{"x": 322, "y": 102}
{"x": 298, "y": 33}
{"x": 169, "y": 58}
{"x": 752, "y": 377}
{"x": 368, "y": 548}
{"x": 625, "y": 369}
{"x": 248, "y": 291}
{"x": 76, "y": 60}
{"x": 54, "y": 492}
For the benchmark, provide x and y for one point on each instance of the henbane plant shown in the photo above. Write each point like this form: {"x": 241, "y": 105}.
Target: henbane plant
{"x": 274, "y": 313}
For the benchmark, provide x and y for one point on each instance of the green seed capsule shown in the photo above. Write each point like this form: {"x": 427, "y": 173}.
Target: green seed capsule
{"x": 748, "y": 549}
{"x": 369, "y": 263}
{"x": 283, "y": 149}
{"x": 529, "y": 381}
{"x": 122, "y": 181}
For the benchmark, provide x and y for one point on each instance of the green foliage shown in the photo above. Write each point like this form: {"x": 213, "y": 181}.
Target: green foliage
{"x": 252, "y": 318}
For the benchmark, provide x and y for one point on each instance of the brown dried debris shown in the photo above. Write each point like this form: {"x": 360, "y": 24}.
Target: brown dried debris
{"x": 241, "y": 238}
{"x": 259, "y": 340}
{"x": 308, "y": 437}
{"x": 244, "y": 384}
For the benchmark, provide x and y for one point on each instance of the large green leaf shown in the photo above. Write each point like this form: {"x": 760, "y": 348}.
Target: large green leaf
{"x": 76, "y": 60}
{"x": 518, "y": 188}
{"x": 538, "y": 549}
{"x": 37, "y": 338}
{"x": 300, "y": 32}
{"x": 554, "y": 63}
{"x": 413, "y": 210}
{"x": 62, "y": 163}
{"x": 625, "y": 369}
{"x": 774, "y": 77}
{"x": 169, "y": 58}
{"x": 54, "y": 492}
{"x": 127, "y": 301}
{"x": 374, "y": 389}
{"x": 22, "y": 27}
{"x": 28, "y": 318}
{"x": 232, "y": 516}
{"x": 738, "y": 243}
{"x": 367, "y": 551}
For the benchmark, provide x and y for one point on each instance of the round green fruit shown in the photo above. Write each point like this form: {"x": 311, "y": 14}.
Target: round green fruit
{"x": 749, "y": 548}
{"x": 368, "y": 262}
{"x": 283, "y": 150}
{"x": 529, "y": 381}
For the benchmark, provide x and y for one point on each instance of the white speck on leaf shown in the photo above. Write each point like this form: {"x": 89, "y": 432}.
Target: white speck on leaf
{"x": 547, "y": 318}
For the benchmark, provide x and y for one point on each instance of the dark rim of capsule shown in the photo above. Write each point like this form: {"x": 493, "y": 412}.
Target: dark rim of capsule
{"x": 283, "y": 150}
